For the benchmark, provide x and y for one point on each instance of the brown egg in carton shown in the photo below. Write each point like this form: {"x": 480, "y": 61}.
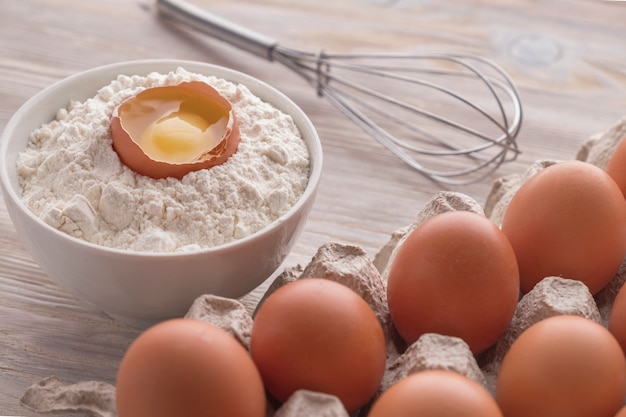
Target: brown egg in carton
{"x": 351, "y": 266}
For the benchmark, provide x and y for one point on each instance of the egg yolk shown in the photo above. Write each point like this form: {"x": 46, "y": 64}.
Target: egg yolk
{"x": 174, "y": 125}
{"x": 170, "y": 131}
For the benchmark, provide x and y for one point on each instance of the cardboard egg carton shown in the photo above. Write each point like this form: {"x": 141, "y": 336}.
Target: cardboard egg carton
{"x": 351, "y": 266}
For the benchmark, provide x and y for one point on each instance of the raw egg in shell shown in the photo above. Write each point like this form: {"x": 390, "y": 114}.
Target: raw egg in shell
{"x": 616, "y": 167}
{"x": 568, "y": 220}
{"x": 186, "y": 367}
{"x": 319, "y": 335}
{"x": 617, "y": 318}
{"x": 562, "y": 366}
{"x": 435, "y": 393}
{"x": 455, "y": 274}
{"x": 169, "y": 131}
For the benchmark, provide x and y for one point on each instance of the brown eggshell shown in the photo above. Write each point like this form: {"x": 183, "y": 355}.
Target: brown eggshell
{"x": 616, "y": 166}
{"x": 187, "y": 367}
{"x": 568, "y": 220}
{"x": 319, "y": 335}
{"x": 617, "y": 318}
{"x": 132, "y": 155}
{"x": 438, "y": 393}
{"x": 563, "y": 366}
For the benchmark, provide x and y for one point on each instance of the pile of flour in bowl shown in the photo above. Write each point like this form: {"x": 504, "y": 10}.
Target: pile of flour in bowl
{"x": 74, "y": 181}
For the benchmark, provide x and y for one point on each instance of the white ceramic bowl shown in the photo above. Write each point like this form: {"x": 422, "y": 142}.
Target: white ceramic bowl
{"x": 143, "y": 288}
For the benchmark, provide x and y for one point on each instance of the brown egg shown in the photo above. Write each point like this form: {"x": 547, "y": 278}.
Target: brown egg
{"x": 455, "y": 274}
{"x": 562, "y": 366}
{"x": 186, "y": 367}
{"x": 617, "y": 318}
{"x": 568, "y": 220}
{"x": 319, "y": 335}
{"x": 435, "y": 393}
{"x": 169, "y": 131}
{"x": 616, "y": 167}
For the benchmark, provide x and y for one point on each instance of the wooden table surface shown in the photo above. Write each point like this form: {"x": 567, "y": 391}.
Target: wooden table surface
{"x": 568, "y": 58}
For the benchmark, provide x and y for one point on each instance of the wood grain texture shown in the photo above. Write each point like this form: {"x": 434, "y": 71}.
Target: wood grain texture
{"x": 568, "y": 58}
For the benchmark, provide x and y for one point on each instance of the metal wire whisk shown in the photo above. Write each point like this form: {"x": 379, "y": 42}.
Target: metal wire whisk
{"x": 454, "y": 132}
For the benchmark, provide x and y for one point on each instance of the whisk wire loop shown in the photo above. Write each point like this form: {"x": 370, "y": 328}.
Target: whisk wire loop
{"x": 394, "y": 101}
{"x": 395, "y": 147}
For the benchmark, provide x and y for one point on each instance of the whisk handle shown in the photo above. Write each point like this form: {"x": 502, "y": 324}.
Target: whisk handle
{"x": 217, "y": 27}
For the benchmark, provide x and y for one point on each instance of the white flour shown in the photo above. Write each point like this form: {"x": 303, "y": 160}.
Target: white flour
{"x": 72, "y": 178}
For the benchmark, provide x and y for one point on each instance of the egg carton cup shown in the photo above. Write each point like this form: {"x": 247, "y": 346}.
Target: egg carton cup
{"x": 351, "y": 266}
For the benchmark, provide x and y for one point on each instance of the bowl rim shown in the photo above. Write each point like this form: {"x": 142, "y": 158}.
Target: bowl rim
{"x": 253, "y": 84}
